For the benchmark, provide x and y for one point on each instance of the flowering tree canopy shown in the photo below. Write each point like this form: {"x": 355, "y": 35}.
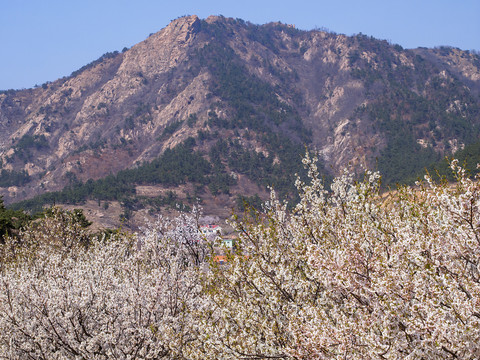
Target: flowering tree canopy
{"x": 347, "y": 274}
{"x": 350, "y": 274}
{"x": 129, "y": 297}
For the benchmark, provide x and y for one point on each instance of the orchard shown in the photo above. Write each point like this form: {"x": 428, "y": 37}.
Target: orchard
{"x": 348, "y": 273}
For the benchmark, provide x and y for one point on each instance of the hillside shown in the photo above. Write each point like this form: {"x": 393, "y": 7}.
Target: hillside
{"x": 234, "y": 104}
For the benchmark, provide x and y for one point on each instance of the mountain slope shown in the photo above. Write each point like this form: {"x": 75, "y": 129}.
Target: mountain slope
{"x": 245, "y": 98}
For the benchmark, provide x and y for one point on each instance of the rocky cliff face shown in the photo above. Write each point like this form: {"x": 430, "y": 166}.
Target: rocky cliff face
{"x": 109, "y": 116}
{"x": 351, "y": 98}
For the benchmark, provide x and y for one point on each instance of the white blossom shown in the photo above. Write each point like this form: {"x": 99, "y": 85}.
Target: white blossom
{"x": 131, "y": 297}
{"x": 350, "y": 274}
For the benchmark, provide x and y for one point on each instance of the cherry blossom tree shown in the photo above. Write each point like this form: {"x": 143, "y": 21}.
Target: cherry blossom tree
{"x": 129, "y": 297}
{"x": 350, "y": 274}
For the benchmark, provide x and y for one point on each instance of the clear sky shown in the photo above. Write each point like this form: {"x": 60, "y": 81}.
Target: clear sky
{"x": 42, "y": 40}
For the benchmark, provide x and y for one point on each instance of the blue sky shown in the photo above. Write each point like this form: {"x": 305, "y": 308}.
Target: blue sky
{"x": 42, "y": 40}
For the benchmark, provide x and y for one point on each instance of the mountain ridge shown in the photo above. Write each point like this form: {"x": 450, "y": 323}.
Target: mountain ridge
{"x": 357, "y": 100}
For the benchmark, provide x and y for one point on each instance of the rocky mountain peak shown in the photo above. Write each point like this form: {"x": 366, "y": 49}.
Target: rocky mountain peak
{"x": 214, "y": 18}
{"x": 245, "y": 98}
{"x": 163, "y": 50}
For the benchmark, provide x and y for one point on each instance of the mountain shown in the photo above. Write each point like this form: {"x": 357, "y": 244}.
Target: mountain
{"x": 220, "y": 108}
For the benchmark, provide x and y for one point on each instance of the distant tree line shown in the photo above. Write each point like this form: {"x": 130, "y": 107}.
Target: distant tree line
{"x": 174, "y": 167}
{"x": 11, "y": 221}
{"x": 13, "y": 178}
